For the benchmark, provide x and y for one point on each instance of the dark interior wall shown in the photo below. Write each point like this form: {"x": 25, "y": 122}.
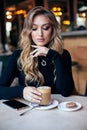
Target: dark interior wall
{"x": 39, "y": 2}
{"x": 3, "y": 23}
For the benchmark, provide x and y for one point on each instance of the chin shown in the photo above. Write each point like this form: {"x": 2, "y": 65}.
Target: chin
{"x": 41, "y": 44}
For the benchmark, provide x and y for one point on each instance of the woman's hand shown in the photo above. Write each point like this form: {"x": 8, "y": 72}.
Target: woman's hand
{"x": 31, "y": 94}
{"x": 39, "y": 51}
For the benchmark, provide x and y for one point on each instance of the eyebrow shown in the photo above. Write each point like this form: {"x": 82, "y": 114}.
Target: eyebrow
{"x": 43, "y": 24}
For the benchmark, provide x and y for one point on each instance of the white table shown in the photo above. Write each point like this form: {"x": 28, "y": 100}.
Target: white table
{"x": 45, "y": 119}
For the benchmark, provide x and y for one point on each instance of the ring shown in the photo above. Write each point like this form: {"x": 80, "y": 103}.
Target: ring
{"x": 29, "y": 97}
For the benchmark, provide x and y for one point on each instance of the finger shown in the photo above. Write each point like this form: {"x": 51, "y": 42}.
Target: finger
{"x": 36, "y": 101}
{"x": 33, "y": 52}
{"x": 36, "y": 97}
{"x": 34, "y": 91}
{"x": 34, "y": 46}
{"x": 36, "y": 54}
{"x": 33, "y": 98}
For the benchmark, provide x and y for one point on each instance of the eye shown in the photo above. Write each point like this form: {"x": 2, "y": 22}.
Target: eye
{"x": 46, "y": 27}
{"x": 34, "y": 29}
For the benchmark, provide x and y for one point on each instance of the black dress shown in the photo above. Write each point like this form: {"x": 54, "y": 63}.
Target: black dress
{"x": 52, "y": 63}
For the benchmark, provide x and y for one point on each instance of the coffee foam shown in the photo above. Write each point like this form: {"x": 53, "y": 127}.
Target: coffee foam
{"x": 44, "y": 89}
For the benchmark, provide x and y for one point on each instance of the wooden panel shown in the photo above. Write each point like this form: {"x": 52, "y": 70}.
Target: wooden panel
{"x": 77, "y": 46}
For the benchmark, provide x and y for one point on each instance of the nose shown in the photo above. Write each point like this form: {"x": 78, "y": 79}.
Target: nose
{"x": 40, "y": 32}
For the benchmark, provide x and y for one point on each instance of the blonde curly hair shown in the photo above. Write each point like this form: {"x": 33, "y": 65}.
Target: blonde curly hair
{"x": 29, "y": 64}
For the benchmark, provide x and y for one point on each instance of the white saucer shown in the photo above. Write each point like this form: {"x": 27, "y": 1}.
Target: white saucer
{"x": 53, "y": 105}
{"x": 62, "y": 106}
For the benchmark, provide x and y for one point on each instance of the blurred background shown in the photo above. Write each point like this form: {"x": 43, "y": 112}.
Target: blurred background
{"x": 72, "y": 16}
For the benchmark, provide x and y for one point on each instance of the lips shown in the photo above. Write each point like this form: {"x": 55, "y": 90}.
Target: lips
{"x": 40, "y": 40}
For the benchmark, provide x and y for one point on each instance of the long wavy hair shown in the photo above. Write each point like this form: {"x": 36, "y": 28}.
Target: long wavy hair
{"x": 28, "y": 64}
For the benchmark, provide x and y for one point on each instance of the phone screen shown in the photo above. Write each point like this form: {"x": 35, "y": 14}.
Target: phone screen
{"x": 15, "y": 104}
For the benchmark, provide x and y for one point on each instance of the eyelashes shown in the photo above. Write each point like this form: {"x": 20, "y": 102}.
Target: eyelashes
{"x": 43, "y": 28}
{"x": 34, "y": 29}
{"x": 46, "y": 28}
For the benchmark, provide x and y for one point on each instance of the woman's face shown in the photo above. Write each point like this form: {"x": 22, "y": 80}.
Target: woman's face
{"x": 41, "y": 30}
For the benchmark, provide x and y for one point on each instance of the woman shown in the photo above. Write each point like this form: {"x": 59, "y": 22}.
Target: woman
{"x": 40, "y": 61}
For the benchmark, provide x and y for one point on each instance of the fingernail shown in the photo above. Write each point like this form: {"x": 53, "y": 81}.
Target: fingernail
{"x": 39, "y": 93}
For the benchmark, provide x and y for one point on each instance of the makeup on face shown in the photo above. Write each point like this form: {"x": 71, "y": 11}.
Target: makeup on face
{"x": 41, "y": 30}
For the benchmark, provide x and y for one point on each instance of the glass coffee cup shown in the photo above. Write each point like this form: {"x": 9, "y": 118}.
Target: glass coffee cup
{"x": 46, "y": 94}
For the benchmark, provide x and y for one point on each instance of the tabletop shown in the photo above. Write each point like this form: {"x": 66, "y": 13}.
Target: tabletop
{"x": 53, "y": 119}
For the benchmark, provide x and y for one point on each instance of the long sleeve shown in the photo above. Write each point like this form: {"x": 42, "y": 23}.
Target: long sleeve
{"x": 64, "y": 80}
{"x": 10, "y": 72}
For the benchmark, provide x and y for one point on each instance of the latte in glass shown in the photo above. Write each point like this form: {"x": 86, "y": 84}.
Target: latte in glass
{"x": 46, "y": 94}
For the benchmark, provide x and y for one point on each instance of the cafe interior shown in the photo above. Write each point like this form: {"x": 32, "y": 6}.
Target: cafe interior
{"x": 72, "y": 16}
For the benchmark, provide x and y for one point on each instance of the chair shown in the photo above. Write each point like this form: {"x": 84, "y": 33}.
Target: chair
{"x": 75, "y": 72}
{"x": 3, "y": 62}
{"x": 86, "y": 90}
